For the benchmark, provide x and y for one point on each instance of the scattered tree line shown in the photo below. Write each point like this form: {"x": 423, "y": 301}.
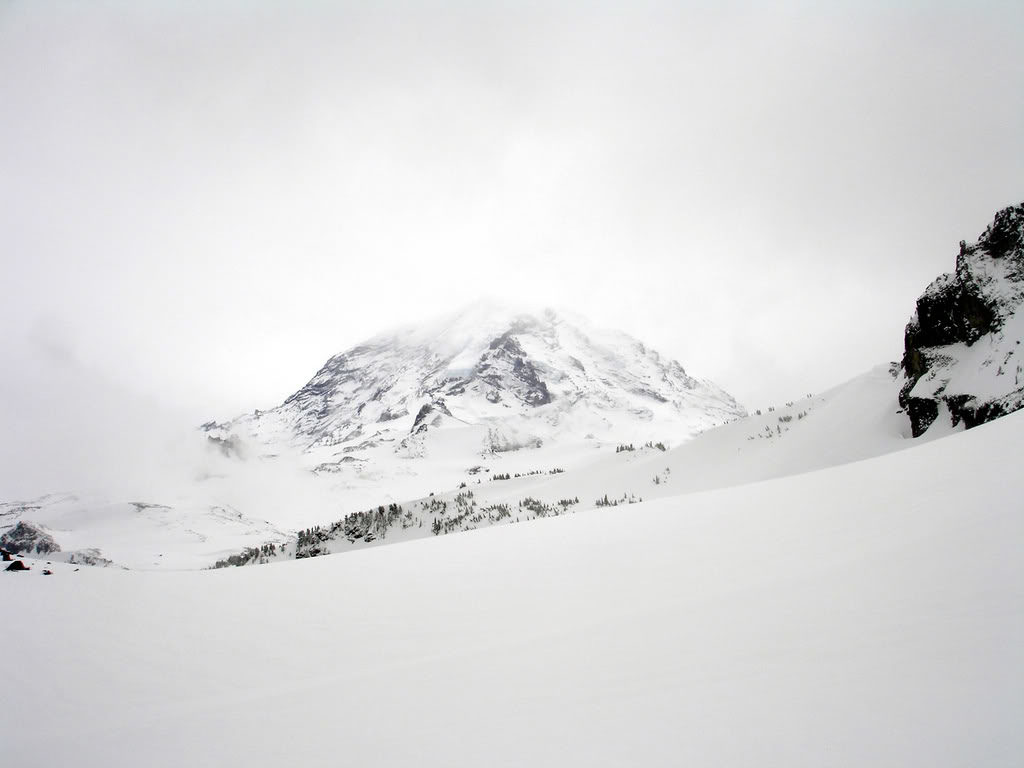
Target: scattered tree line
{"x": 507, "y": 476}
{"x": 540, "y": 509}
{"x": 366, "y": 526}
{"x": 771, "y": 408}
{"x": 248, "y": 555}
{"x": 623, "y": 447}
{"x": 627, "y": 498}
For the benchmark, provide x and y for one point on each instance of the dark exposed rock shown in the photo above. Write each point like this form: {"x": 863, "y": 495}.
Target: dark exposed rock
{"x": 29, "y": 538}
{"x": 142, "y": 506}
{"x": 921, "y": 411}
{"x": 647, "y": 392}
{"x": 428, "y": 414}
{"x": 230, "y": 446}
{"x": 954, "y": 313}
{"x": 505, "y": 366}
{"x": 16, "y": 566}
{"x": 389, "y": 415}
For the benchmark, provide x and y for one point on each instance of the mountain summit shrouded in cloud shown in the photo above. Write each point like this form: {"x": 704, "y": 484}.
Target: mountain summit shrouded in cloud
{"x": 210, "y": 196}
{"x": 512, "y": 378}
{"x": 481, "y": 392}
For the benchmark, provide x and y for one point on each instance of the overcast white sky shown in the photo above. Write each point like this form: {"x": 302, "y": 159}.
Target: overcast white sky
{"x": 200, "y": 202}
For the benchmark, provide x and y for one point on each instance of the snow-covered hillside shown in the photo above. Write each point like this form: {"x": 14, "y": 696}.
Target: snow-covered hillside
{"x": 854, "y": 421}
{"x": 868, "y": 614}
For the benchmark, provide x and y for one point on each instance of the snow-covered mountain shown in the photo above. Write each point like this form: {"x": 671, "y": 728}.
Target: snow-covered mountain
{"x": 492, "y": 415}
{"x": 963, "y": 359}
{"x": 484, "y": 392}
{"x": 504, "y": 379}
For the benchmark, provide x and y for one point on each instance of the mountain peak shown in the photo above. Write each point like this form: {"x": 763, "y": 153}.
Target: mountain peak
{"x": 511, "y": 375}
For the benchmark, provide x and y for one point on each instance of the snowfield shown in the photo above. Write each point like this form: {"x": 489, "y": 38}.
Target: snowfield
{"x": 864, "y": 614}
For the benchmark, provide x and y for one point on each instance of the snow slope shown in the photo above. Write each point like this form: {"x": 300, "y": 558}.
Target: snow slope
{"x": 243, "y": 503}
{"x": 857, "y": 420}
{"x": 866, "y": 614}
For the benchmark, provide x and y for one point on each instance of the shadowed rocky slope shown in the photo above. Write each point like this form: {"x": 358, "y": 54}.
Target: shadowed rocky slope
{"x": 962, "y": 345}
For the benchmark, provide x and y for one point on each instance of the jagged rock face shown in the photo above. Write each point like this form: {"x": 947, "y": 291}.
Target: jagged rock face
{"x": 962, "y": 346}
{"x": 505, "y": 366}
{"x": 428, "y": 415}
{"x": 28, "y": 538}
{"x": 523, "y": 379}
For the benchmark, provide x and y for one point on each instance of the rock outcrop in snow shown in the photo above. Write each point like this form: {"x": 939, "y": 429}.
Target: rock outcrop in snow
{"x": 962, "y": 345}
{"x": 28, "y": 538}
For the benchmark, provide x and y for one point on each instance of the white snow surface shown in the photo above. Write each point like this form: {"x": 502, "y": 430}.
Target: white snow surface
{"x": 990, "y": 369}
{"x": 864, "y": 614}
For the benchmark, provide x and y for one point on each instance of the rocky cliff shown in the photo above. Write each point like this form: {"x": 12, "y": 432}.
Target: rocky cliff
{"x": 962, "y": 357}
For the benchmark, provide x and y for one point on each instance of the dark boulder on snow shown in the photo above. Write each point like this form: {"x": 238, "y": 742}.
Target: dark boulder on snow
{"x": 962, "y": 346}
{"x": 17, "y": 565}
{"x": 29, "y": 538}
